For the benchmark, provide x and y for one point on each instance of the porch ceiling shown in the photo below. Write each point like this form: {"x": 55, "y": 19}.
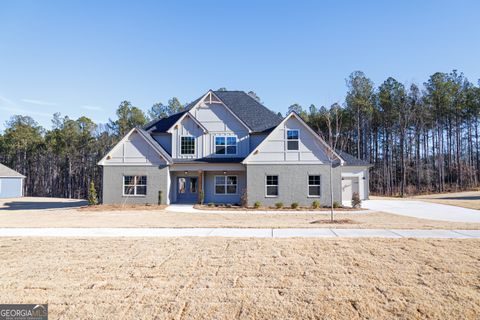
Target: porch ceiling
{"x": 207, "y": 167}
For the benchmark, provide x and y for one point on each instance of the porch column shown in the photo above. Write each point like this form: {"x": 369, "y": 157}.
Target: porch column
{"x": 200, "y": 185}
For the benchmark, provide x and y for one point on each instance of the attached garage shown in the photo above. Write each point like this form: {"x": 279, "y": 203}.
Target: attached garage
{"x": 350, "y": 185}
{"x": 354, "y": 177}
{"x": 11, "y": 183}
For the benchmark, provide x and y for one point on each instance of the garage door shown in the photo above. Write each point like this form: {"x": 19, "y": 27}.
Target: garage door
{"x": 10, "y": 187}
{"x": 349, "y": 186}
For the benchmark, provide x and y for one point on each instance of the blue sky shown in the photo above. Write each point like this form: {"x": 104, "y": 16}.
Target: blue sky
{"x": 84, "y": 57}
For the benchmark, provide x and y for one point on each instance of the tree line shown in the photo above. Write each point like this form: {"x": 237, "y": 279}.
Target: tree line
{"x": 418, "y": 138}
{"x": 62, "y": 161}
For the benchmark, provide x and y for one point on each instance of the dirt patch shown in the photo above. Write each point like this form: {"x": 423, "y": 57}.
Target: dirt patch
{"x": 122, "y": 207}
{"x": 336, "y": 221}
{"x": 218, "y": 278}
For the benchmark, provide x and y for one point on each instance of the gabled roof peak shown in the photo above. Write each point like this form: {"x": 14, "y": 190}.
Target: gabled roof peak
{"x": 254, "y": 115}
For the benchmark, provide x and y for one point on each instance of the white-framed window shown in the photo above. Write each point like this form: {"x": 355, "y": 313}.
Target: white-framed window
{"x": 225, "y": 145}
{"x": 226, "y": 185}
{"x": 271, "y": 186}
{"x": 134, "y": 185}
{"x": 314, "y": 186}
{"x": 292, "y": 139}
{"x": 187, "y": 145}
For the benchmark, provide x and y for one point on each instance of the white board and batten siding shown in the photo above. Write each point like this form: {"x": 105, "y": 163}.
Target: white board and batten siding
{"x": 274, "y": 149}
{"x": 134, "y": 150}
{"x": 218, "y": 121}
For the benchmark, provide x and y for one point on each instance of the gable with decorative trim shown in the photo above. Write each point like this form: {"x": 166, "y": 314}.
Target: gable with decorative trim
{"x": 135, "y": 149}
{"x": 292, "y": 141}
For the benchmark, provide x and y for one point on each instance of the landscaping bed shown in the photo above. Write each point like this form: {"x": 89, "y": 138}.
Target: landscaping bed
{"x": 229, "y": 207}
{"x": 122, "y": 207}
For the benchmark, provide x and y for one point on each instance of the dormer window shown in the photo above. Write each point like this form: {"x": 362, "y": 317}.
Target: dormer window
{"x": 292, "y": 140}
{"x": 226, "y": 145}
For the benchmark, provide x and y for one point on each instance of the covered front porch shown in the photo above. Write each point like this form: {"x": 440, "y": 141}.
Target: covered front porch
{"x": 219, "y": 183}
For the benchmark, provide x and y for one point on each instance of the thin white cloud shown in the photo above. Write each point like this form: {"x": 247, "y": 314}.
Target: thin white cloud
{"x": 94, "y": 108}
{"x": 14, "y": 108}
{"x": 5, "y": 100}
{"x": 40, "y": 102}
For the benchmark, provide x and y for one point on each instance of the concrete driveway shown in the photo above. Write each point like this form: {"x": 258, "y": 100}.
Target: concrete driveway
{"x": 424, "y": 210}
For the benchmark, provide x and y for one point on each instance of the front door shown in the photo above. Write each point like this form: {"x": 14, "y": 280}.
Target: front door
{"x": 187, "y": 189}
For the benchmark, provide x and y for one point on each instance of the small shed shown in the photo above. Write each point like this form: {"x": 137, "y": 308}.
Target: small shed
{"x": 11, "y": 183}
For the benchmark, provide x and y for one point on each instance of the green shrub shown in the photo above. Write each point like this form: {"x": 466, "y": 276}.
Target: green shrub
{"x": 315, "y": 204}
{"x": 228, "y": 205}
{"x": 336, "y": 204}
{"x": 202, "y": 197}
{"x": 92, "y": 195}
{"x": 257, "y": 204}
{"x": 294, "y": 205}
{"x": 279, "y": 205}
{"x": 210, "y": 204}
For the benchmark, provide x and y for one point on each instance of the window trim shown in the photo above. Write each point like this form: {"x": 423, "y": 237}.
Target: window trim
{"x": 287, "y": 140}
{"x": 135, "y": 185}
{"x": 225, "y": 184}
{"x": 314, "y": 185}
{"x": 226, "y": 145}
{"x": 277, "y": 185}
{"x": 194, "y": 145}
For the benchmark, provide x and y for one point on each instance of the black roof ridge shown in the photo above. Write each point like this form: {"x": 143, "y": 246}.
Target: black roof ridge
{"x": 152, "y": 123}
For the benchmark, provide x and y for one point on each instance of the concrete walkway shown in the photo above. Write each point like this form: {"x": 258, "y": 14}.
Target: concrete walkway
{"x": 188, "y": 208}
{"x": 424, "y": 210}
{"x": 237, "y": 232}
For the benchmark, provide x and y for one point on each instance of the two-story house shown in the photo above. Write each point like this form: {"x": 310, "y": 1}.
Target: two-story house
{"x": 228, "y": 146}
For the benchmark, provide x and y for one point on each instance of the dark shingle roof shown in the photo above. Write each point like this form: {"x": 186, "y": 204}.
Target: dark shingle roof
{"x": 163, "y": 124}
{"x": 6, "y": 172}
{"x": 254, "y": 114}
{"x": 351, "y": 160}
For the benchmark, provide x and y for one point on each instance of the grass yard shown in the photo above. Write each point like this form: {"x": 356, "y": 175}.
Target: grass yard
{"x": 219, "y": 278}
{"x": 161, "y": 218}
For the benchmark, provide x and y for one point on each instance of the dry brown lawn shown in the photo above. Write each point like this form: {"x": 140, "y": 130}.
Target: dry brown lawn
{"x": 220, "y": 278}
{"x": 160, "y": 218}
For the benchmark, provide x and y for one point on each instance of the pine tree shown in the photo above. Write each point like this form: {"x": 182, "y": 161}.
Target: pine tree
{"x": 92, "y": 195}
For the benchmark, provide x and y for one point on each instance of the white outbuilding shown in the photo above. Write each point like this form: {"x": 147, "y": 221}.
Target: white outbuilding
{"x": 11, "y": 183}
